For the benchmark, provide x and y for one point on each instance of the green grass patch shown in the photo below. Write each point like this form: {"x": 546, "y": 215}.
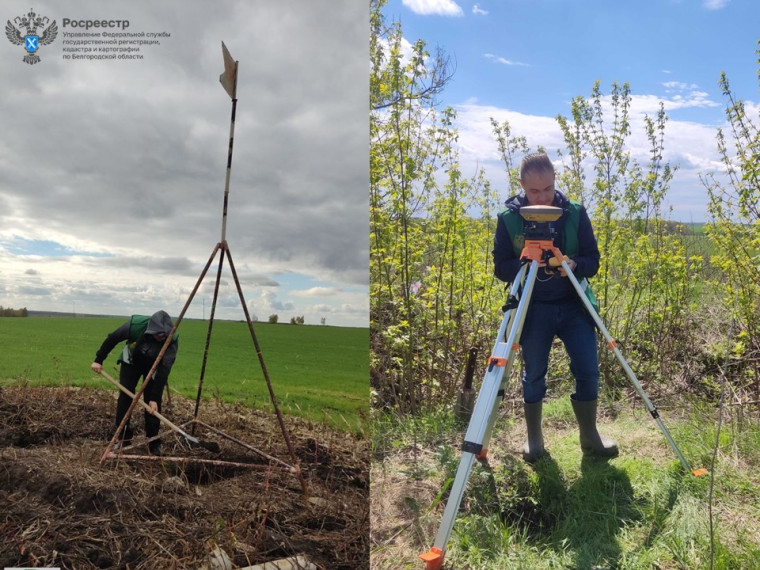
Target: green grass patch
{"x": 319, "y": 373}
{"x": 635, "y": 512}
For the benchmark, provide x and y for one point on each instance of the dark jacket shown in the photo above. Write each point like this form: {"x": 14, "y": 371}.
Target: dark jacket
{"x": 144, "y": 349}
{"x": 548, "y": 287}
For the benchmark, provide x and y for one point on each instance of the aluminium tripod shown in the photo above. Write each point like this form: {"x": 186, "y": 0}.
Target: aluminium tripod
{"x": 535, "y": 254}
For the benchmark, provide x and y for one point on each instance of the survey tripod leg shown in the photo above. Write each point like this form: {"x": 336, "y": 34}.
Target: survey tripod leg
{"x": 500, "y": 364}
{"x": 484, "y": 414}
{"x": 612, "y": 345}
{"x": 511, "y": 327}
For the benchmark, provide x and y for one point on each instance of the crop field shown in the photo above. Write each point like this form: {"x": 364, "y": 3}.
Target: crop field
{"x": 64, "y": 505}
{"x": 317, "y": 372}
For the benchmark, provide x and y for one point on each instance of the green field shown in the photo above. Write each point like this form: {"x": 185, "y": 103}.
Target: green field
{"x": 317, "y": 372}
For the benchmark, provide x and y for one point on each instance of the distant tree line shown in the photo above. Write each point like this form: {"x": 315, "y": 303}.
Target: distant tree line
{"x": 274, "y": 318}
{"x": 9, "y": 312}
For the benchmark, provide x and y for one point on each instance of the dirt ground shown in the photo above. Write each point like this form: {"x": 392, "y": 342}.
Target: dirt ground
{"x": 60, "y": 508}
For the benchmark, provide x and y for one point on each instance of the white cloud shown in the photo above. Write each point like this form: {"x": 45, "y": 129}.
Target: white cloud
{"x": 268, "y": 302}
{"x": 715, "y": 4}
{"x": 679, "y": 86}
{"x": 317, "y": 292}
{"x": 651, "y": 103}
{"x": 347, "y": 307}
{"x": 476, "y": 140}
{"x": 693, "y": 99}
{"x": 478, "y": 11}
{"x": 503, "y": 61}
{"x": 434, "y": 7}
{"x": 689, "y": 146}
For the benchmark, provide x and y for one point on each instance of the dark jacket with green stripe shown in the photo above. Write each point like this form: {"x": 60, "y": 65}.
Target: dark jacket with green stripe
{"x": 580, "y": 246}
{"x": 141, "y": 349}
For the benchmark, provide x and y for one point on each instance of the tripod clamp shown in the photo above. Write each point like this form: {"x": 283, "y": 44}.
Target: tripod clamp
{"x": 544, "y": 251}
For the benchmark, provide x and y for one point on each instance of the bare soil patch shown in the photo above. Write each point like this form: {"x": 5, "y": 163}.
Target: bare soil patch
{"x": 61, "y": 508}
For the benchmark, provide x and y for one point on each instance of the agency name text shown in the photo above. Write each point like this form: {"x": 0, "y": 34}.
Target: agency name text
{"x": 87, "y": 24}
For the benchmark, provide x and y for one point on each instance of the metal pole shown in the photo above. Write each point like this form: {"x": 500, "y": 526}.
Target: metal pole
{"x": 191, "y": 460}
{"x": 612, "y": 345}
{"x": 229, "y": 166}
{"x": 228, "y": 79}
{"x": 242, "y": 443}
{"x": 266, "y": 374}
{"x": 161, "y": 418}
{"x": 208, "y": 334}
{"x": 478, "y": 433}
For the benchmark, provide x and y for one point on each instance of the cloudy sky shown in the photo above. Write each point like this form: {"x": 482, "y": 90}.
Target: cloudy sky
{"x": 524, "y": 61}
{"x": 112, "y": 171}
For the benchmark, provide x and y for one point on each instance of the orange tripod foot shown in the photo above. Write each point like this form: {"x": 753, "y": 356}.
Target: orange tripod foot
{"x": 433, "y": 559}
{"x": 699, "y": 472}
{"x": 483, "y": 455}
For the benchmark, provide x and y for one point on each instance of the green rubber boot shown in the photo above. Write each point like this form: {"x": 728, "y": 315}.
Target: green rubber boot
{"x": 534, "y": 447}
{"x": 591, "y": 442}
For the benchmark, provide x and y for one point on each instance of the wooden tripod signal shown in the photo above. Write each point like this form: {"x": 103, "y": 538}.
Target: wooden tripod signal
{"x": 228, "y": 79}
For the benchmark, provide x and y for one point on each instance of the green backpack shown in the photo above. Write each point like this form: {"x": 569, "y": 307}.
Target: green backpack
{"x": 514, "y": 224}
{"x": 138, "y": 324}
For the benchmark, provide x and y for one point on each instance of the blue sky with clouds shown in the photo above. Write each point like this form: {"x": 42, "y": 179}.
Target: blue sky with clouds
{"x": 524, "y": 61}
{"x": 112, "y": 171}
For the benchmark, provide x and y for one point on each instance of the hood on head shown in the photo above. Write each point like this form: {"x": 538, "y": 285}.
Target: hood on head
{"x": 516, "y": 202}
{"x": 160, "y": 322}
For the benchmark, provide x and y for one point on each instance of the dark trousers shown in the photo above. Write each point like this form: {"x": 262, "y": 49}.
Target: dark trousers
{"x": 129, "y": 376}
{"x": 573, "y": 325}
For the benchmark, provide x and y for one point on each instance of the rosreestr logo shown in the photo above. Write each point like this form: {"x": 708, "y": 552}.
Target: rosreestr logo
{"x": 31, "y": 40}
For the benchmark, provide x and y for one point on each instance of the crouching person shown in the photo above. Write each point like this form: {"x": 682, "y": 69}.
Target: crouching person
{"x": 144, "y": 336}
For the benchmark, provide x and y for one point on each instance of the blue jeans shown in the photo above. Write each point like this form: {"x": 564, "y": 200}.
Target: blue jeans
{"x": 574, "y": 326}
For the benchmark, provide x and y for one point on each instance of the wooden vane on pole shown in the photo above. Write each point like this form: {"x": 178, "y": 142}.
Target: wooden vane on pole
{"x": 228, "y": 79}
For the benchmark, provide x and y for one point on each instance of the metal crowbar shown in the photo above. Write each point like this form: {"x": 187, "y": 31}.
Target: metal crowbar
{"x": 210, "y": 445}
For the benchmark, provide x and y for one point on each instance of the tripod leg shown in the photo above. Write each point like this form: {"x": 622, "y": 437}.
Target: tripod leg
{"x": 612, "y": 345}
{"x": 515, "y": 324}
{"x": 483, "y": 415}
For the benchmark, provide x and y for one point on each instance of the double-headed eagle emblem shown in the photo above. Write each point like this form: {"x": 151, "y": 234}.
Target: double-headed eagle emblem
{"x": 31, "y": 40}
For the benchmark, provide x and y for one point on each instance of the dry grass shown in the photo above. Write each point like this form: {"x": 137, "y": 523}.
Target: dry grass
{"x": 60, "y": 508}
{"x": 400, "y": 521}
